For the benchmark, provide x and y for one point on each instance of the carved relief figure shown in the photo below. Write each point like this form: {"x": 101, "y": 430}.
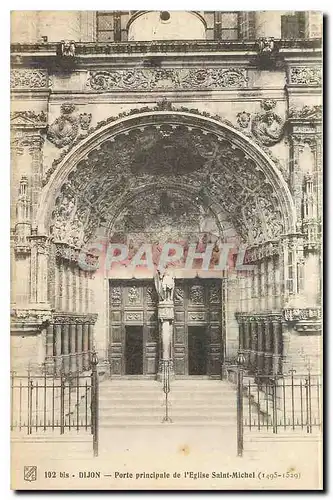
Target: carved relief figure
{"x": 65, "y": 128}
{"x": 268, "y": 127}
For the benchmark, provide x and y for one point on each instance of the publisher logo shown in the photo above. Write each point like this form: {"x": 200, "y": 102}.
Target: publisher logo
{"x": 30, "y": 473}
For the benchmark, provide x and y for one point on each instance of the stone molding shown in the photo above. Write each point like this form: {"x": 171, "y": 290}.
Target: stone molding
{"x": 149, "y": 79}
{"x": 296, "y": 314}
{"x": 73, "y": 318}
{"x": 247, "y": 317}
{"x": 306, "y": 113}
{"x": 28, "y": 119}
{"x": 29, "y": 320}
{"x": 28, "y": 79}
{"x": 305, "y": 75}
{"x": 248, "y": 47}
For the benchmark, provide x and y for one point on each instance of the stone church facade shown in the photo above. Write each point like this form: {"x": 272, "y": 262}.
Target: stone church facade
{"x": 131, "y": 128}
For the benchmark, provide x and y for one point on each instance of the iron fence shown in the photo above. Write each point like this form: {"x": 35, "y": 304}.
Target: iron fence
{"x": 166, "y": 367}
{"x": 52, "y": 402}
{"x": 285, "y": 402}
{"x": 290, "y": 401}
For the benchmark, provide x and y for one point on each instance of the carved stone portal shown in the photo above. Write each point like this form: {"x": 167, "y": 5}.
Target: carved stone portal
{"x": 190, "y": 168}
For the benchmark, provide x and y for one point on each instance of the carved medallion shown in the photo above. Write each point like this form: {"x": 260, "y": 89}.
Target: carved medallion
{"x": 268, "y": 127}
{"x": 65, "y": 128}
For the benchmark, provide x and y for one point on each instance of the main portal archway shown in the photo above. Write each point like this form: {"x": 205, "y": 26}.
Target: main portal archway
{"x": 160, "y": 177}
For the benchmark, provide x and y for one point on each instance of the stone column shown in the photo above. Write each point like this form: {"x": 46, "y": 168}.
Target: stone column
{"x": 58, "y": 341}
{"x": 77, "y": 289}
{"x": 85, "y": 346}
{"x": 42, "y": 277}
{"x": 79, "y": 334}
{"x": 260, "y": 346}
{"x": 70, "y": 289}
{"x": 247, "y": 343}
{"x": 166, "y": 317}
{"x": 36, "y": 144}
{"x": 72, "y": 342}
{"x": 50, "y": 340}
{"x": 267, "y": 348}
{"x": 277, "y": 355}
{"x": 86, "y": 292}
{"x": 241, "y": 334}
{"x": 90, "y": 341}
{"x": 81, "y": 273}
{"x": 268, "y": 24}
{"x": 65, "y": 349}
{"x": 254, "y": 347}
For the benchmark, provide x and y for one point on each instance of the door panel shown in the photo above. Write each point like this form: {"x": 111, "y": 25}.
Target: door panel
{"x": 198, "y": 304}
{"x": 133, "y": 304}
{"x": 197, "y": 350}
{"x": 134, "y": 350}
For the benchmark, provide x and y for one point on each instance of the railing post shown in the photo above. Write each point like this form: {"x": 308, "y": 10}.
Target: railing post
{"x": 94, "y": 402}
{"x": 166, "y": 387}
{"x": 240, "y": 423}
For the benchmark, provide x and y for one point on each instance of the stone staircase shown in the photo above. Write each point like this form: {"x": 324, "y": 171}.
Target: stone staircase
{"x": 191, "y": 403}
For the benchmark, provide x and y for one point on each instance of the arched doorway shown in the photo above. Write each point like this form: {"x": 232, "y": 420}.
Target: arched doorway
{"x": 156, "y": 178}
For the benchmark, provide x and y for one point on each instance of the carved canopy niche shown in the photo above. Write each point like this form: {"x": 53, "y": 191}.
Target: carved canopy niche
{"x": 202, "y": 168}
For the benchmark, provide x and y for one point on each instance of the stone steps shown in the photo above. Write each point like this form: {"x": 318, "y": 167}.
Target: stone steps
{"x": 190, "y": 402}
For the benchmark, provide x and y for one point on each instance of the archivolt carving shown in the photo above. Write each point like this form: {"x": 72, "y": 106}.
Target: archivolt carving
{"x": 164, "y": 79}
{"x": 111, "y": 119}
{"x": 170, "y": 158}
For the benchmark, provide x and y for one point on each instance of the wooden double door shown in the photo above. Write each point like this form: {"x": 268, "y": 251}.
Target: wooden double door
{"x": 134, "y": 340}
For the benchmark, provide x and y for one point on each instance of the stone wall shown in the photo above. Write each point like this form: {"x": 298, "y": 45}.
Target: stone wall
{"x": 65, "y": 99}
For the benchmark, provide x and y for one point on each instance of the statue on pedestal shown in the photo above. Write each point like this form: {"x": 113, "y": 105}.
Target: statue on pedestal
{"x": 165, "y": 286}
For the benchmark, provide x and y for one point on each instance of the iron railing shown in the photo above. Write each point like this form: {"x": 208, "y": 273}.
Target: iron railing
{"x": 290, "y": 401}
{"x": 166, "y": 368}
{"x": 285, "y": 402}
{"x": 57, "y": 402}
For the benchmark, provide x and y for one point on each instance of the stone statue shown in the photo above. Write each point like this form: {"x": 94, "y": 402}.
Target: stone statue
{"x": 165, "y": 285}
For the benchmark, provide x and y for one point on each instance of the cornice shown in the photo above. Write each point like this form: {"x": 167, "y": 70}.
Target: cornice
{"x": 166, "y": 48}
